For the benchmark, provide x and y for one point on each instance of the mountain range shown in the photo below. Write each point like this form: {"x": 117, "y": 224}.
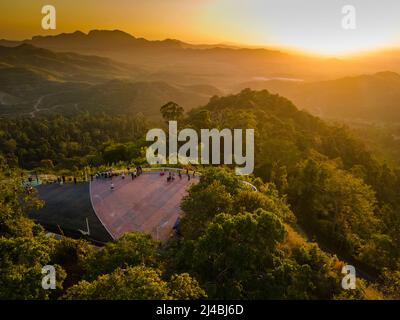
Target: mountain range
{"x": 372, "y": 97}
{"x": 35, "y": 81}
{"x": 175, "y": 61}
{"x": 114, "y": 71}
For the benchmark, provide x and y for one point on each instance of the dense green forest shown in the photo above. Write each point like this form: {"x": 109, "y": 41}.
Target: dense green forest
{"x": 72, "y": 142}
{"x": 323, "y": 199}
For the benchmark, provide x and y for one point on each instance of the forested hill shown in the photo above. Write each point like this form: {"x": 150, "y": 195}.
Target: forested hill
{"x": 335, "y": 190}
{"x": 338, "y": 191}
{"x": 285, "y": 135}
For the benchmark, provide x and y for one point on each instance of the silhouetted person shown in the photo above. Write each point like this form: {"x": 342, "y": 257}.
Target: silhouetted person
{"x": 74, "y": 180}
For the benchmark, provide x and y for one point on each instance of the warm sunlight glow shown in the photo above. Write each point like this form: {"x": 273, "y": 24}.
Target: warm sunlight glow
{"x": 310, "y": 26}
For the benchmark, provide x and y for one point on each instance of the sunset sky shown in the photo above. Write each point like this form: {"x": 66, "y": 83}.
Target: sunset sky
{"x": 309, "y": 25}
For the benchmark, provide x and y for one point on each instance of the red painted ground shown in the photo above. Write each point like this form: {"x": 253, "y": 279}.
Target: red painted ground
{"x": 149, "y": 203}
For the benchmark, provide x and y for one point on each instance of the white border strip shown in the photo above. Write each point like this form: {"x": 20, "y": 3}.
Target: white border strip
{"x": 95, "y": 212}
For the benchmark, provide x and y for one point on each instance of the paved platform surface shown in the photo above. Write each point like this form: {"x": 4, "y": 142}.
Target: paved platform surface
{"x": 67, "y": 207}
{"x": 148, "y": 203}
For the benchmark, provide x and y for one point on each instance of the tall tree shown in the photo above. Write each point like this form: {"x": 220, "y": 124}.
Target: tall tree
{"x": 171, "y": 111}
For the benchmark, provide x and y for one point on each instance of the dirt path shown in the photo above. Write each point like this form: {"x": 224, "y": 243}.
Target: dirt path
{"x": 36, "y": 106}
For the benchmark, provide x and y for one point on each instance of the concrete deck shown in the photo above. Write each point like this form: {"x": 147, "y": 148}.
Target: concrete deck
{"x": 148, "y": 203}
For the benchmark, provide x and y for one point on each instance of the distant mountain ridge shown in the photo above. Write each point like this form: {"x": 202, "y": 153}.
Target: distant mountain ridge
{"x": 36, "y": 81}
{"x": 114, "y": 38}
{"x": 372, "y": 97}
{"x": 218, "y": 65}
{"x": 64, "y": 66}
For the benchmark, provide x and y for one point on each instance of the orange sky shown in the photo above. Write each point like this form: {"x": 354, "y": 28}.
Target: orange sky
{"x": 308, "y": 25}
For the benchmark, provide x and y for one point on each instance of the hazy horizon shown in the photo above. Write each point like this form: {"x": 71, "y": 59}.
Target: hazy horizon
{"x": 311, "y": 27}
{"x": 283, "y": 49}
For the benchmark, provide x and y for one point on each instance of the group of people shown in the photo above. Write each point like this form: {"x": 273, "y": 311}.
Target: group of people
{"x": 171, "y": 175}
{"x": 134, "y": 174}
{"x": 105, "y": 175}
{"x": 62, "y": 180}
{"x": 137, "y": 172}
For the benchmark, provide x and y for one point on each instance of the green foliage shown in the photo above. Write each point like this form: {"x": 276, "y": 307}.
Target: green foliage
{"x": 233, "y": 248}
{"x": 15, "y": 202}
{"x": 71, "y": 255}
{"x": 391, "y": 283}
{"x": 201, "y": 205}
{"x": 139, "y": 283}
{"x": 131, "y": 249}
{"x": 171, "y": 111}
{"x": 76, "y": 141}
{"x": 136, "y": 283}
{"x": 22, "y": 259}
{"x": 221, "y": 191}
{"x": 184, "y": 287}
{"x": 268, "y": 199}
{"x": 335, "y": 204}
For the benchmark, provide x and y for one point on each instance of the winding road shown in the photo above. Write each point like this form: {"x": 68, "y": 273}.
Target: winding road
{"x": 36, "y": 108}
{"x": 37, "y": 104}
